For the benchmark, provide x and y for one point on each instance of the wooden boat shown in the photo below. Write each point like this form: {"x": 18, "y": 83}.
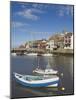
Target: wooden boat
{"x": 37, "y": 81}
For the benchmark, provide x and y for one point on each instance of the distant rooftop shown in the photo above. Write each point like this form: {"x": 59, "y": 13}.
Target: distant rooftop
{"x": 68, "y": 34}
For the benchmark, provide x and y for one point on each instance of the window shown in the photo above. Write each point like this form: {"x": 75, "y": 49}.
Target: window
{"x": 65, "y": 41}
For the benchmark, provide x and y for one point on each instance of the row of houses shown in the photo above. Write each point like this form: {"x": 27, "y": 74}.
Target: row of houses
{"x": 41, "y": 44}
{"x": 68, "y": 41}
{"x": 54, "y": 42}
{"x": 61, "y": 41}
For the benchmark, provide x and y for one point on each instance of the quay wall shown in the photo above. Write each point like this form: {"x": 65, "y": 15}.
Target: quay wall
{"x": 63, "y": 51}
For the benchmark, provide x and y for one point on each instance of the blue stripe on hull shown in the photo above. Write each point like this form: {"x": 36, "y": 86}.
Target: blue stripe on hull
{"x": 37, "y": 85}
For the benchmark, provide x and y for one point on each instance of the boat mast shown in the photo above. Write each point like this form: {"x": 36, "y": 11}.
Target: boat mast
{"x": 48, "y": 65}
{"x": 38, "y": 62}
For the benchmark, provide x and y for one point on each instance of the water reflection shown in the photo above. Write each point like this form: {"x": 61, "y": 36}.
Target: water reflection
{"x": 25, "y": 65}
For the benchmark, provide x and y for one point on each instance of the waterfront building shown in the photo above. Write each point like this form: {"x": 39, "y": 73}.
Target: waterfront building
{"x": 68, "y": 40}
{"x": 21, "y": 46}
{"x": 71, "y": 42}
{"x": 60, "y": 42}
{"x": 28, "y": 45}
{"x": 40, "y": 44}
{"x": 43, "y": 44}
{"x": 50, "y": 45}
{"x": 56, "y": 41}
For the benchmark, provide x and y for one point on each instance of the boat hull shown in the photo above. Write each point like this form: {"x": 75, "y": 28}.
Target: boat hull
{"x": 47, "y": 55}
{"x": 31, "y": 54}
{"x": 13, "y": 54}
{"x": 45, "y": 83}
{"x": 45, "y": 73}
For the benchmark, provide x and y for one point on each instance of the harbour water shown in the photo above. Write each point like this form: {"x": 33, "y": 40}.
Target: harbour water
{"x": 26, "y": 65}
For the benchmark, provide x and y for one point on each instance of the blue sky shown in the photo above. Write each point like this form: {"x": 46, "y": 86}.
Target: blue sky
{"x": 31, "y": 21}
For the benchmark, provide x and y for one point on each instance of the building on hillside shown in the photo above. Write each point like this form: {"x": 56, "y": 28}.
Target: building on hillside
{"x": 41, "y": 44}
{"x": 72, "y": 42}
{"x": 21, "y": 46}
{"x": 56, "y": 41}
{"x": 60, "y": 41}
{"x": 28, "y": 45}
{"x": 68, "y": 40}
{"x": 35, "y": 44}
{"x": 50, "y": 45}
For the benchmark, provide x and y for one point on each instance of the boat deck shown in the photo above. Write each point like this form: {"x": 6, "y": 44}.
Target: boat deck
{"x": 32, "y": 78}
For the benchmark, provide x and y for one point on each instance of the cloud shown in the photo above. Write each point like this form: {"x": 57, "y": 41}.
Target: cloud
{"x": 61, "y": 12}
{"x": 16, "y": 24}
{"x": 40, "y": 6}
{"x": 71, "y": 10}
{"x": 30, "y": 13}
{"x": 24, "y": 5}
{"x": 65, "y": 10}
{"x": 34, "y": 5}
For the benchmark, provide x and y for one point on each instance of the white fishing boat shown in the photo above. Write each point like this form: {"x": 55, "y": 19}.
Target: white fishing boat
{"x": 47, "y": 71}
{"x": 31, "y": 54}
{"x": 37, "y": 81}
{"x": 25, "y": 53}
{"x": 13, "y": 54}
{"x": 47, "y": 54}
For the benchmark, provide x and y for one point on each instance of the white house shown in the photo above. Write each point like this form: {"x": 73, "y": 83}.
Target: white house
{"x": 50, "y": 45}
{"x": 68, "y": 41}
{"x": 71, "y": 46}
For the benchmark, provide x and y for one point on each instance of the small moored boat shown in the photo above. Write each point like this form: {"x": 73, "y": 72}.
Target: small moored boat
{"x": 37, "y": 81}
{"x": 47, "y": 54}
{"x": 13, "y": 54}
{"x": 31, "y": 54}
{"x": 47, "y": 71}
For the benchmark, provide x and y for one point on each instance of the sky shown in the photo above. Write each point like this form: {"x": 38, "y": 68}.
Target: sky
{"x": 35, "y": 21}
